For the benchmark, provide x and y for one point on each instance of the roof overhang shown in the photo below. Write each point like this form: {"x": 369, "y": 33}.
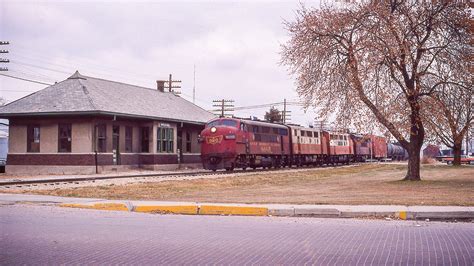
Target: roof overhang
{"x": 103, "y": 113}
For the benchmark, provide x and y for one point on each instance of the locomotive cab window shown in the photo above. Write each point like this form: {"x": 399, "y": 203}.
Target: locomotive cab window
{"x": 223, "y": 122}
{"x": 229, "y": 123}
{"x": 213, "y": 123}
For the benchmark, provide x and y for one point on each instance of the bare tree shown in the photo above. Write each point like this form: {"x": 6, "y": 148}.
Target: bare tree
{"x": 449, "y": 115}
{"x": 449, "y": 109}
{"x": 374, "y": 62}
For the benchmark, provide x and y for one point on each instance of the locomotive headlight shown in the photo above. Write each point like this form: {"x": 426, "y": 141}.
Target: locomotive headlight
{"x": 213, "y": 129}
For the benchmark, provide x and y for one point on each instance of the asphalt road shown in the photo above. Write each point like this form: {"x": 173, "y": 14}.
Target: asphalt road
{"x": 51, "y": 235}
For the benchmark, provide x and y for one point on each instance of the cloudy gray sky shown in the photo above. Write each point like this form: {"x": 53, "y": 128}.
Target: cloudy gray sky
{"x": 234, "y": 45}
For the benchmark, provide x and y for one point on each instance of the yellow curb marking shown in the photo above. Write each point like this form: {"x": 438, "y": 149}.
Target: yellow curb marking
{"x": 233, "y": 210}
{"x": 167, "y": 209}
{"x": 175, "y": 209}
{"x": 98, "y": 206}
{"x": 402, "y": 215}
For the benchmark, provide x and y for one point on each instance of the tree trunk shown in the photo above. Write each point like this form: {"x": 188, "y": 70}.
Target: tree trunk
{"x": 457, "y": 153}
{"x": 413, "y": 173}
{"x": 417, "y": 135}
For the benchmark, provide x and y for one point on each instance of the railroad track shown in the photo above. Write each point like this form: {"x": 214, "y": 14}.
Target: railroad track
{"x": 76, "y": 180}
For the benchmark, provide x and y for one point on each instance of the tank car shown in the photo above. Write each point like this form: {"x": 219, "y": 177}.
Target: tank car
{"x": 396, "y": 152}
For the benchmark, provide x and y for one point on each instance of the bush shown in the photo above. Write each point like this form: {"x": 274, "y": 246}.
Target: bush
{"x": 427, "y": 160}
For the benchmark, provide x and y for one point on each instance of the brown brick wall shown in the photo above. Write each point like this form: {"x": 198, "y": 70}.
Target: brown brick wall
{"x": 102, "y": 159}
{"x": 191, "y": 158}
{"x": 52, "y": 159}
{"x": 158, "y": 159}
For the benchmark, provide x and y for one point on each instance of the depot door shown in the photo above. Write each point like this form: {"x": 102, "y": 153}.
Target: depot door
{"x": 116, "y": 144}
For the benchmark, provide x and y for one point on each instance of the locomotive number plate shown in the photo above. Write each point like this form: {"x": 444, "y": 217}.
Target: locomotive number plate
{"x": 214, "y": 140}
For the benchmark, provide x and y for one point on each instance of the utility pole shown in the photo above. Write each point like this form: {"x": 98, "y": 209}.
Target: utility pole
{"x": 286, "y": 115}
{"x": 320, "y": 124}
{"x": 224, "y": 107}
{"x": 4, "y": 60}
{"x": 170, "y": 84}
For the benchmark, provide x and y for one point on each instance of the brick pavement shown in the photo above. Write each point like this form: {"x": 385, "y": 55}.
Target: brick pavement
{"x": 52, "y": 235}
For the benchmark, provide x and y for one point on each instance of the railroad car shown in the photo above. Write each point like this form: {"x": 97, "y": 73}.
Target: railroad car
{"x": 396, "y": 152}
{"x": 362, "y": 150}
{"x": 379, "y": 147}
{"x": 229, "y": 142}
{"x": 308, "y": 146}
{"x": 369, "y": 147}
{"x": 341, "y": 148}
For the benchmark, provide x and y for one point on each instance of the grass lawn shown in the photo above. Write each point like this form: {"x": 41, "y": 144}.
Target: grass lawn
{"x": 364, "y": 184}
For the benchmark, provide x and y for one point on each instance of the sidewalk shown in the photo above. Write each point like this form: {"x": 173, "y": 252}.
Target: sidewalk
{"x": 198, "y": 208}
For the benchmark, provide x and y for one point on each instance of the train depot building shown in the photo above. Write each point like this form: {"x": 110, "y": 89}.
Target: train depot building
{"x": 87, "y": 125}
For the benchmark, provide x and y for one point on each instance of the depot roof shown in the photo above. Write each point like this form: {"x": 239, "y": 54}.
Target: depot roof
{"x": 84, "y": 95}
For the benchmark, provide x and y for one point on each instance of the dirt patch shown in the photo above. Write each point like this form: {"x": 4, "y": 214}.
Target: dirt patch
{"x": 365, "y": 184}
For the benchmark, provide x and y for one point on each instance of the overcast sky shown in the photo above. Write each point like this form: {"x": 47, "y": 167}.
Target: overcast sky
{"x": 234, "y": 45}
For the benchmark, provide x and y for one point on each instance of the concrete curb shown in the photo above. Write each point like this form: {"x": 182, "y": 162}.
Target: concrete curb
{"x": 173, "y": 208}
{"x": 321, "y": 211}
{"x": 289, "y": 210}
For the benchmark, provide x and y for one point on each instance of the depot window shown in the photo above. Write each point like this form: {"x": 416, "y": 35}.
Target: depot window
{"x": 145, "y": 139}
{"x": 128, "y": 139}
{"x": 64, "y": 137}
{"x": 165, "y": 140}
{"x": 188, "y": 142}
{"x": 33, "y": 138}
{"x": 101, "y": 138}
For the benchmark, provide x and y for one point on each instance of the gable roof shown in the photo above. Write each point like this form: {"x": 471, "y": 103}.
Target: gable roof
{"x": 88, "y": 95}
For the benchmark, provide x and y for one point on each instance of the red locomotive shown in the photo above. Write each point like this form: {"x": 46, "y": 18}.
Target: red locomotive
{"x": 228, "y": 143}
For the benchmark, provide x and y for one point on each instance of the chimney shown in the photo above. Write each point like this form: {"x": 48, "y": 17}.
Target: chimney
{"x": 160, "y": 84}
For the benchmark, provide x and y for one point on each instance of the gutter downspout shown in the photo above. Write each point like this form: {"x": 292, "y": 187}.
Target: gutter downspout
{"x": 95, "y": 149}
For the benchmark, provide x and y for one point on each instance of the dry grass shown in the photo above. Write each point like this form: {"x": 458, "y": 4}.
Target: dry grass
{"x": 365, "y": 184}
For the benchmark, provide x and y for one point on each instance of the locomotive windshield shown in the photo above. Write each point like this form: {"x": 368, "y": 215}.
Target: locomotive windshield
{"x": 223, "y": 122}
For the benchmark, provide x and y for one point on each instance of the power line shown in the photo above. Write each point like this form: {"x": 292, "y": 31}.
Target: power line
{"x": 267, "y": 105}
{"x": 15, "y": 61}
{"x": 29, "y": 80}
